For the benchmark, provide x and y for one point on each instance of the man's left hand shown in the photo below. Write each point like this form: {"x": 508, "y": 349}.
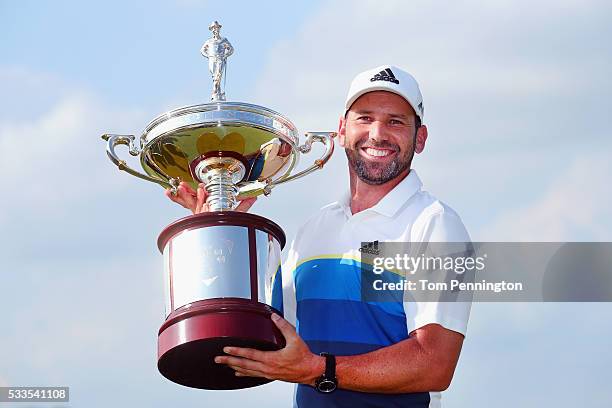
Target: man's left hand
{"x": 293, "y": 363}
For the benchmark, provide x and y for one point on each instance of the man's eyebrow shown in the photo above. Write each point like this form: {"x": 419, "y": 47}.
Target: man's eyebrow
{"x": 400, "y": 115}
{"x": 392, "y": 115}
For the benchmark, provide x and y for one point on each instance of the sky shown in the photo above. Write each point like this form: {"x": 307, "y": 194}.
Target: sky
{"x": 517, "y": 105}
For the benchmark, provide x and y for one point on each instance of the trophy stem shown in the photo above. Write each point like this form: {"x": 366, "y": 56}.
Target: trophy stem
{"x": 222, "y": 191}
{"x": 220, "y": 176}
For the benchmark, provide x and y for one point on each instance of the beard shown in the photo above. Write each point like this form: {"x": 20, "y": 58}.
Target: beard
{"x": 378, "y": 173}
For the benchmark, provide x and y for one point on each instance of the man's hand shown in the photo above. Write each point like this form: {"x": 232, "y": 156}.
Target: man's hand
{"x": 195, "y": 201}
{"x": 293, "y": 363}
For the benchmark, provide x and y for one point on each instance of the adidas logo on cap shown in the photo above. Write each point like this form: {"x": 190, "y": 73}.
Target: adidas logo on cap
{"x": 385, "y": 75}
{"x": 386, "y": 78}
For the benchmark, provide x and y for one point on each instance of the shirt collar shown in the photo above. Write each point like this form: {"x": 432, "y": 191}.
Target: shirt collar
{"x": 393, "y": 200}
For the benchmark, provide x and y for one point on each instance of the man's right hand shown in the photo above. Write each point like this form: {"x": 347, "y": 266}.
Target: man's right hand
{"x": 195, "y": 201}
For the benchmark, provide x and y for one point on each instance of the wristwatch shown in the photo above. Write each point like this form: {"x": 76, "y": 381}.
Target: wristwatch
{"x": 327, "y": 382}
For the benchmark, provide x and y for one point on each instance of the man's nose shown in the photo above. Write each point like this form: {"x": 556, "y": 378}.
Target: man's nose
{"x": 377, "y": 131}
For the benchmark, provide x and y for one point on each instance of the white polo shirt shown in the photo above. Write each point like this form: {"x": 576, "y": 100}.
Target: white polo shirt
{"x": 321, "y": 285}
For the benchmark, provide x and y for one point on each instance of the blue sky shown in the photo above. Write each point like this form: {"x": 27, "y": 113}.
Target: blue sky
{"x": 517, "y": 105}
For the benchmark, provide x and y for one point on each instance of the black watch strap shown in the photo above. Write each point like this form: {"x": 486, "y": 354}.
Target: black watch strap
{"x": 327, "y": 382}
{"x": 330, "y": 365}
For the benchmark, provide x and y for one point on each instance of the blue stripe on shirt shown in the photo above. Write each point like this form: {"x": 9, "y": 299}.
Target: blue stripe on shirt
{"x": 339, "y": 278}
{"x": 349, "y": 321}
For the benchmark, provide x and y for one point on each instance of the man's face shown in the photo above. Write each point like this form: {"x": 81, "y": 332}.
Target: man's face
{"x": 378, "y": 135}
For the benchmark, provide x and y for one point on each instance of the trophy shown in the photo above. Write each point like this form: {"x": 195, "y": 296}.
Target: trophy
{"x": 221, "y": 268}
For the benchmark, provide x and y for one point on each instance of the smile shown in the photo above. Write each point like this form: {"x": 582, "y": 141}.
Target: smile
{"x": 373, "y": 152}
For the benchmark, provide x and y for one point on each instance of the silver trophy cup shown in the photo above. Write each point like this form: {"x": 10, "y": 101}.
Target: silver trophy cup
{"x": 222, "y": 268}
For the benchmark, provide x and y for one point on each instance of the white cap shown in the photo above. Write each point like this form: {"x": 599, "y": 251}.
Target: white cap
{"x": 386, "y": 78}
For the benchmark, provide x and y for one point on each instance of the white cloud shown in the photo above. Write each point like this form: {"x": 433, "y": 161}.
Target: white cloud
{"x": 54, "y": 154}
{"x": 576, "y": 206}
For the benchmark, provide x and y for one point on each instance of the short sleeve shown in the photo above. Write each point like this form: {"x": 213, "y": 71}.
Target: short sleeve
{"x": 443, "y": 226}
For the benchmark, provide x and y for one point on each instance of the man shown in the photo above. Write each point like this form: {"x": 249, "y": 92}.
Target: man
{"x": 379, "y": 354}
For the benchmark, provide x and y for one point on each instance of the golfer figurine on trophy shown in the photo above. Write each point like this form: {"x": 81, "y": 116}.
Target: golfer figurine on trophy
{"x": 217, "y": 49}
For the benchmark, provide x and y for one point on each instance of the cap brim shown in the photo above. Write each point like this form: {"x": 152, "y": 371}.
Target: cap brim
{"x": 359, "y": 94}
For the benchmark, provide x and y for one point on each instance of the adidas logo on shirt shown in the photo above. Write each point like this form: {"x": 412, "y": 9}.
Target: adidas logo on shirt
{"x": 370, "y": 248}
{"x": 386, "y": 75}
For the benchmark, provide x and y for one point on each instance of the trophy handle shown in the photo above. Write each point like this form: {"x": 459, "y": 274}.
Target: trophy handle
{"x": 128, "y": 140}
{"x": 327, "y": 138}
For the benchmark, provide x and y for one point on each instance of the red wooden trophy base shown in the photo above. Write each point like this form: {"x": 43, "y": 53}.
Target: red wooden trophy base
{"x": 193, "y": 336}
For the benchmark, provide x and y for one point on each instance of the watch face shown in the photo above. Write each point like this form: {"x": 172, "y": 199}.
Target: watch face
{"x": 326, "y": 385}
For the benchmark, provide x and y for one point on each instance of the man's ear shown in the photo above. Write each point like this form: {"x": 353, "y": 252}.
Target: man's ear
{"x": 342, "y": 131}
{"x": 421, "y": 138}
